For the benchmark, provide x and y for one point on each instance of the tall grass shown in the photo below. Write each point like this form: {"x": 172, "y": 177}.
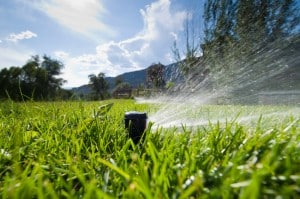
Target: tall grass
{"x": 76, "y": 150}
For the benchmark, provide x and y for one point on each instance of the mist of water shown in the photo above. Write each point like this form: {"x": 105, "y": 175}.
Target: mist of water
{"x": 235, "y": 93}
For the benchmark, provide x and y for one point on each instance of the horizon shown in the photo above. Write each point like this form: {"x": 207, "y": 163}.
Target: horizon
{"x": 89, "y": 37}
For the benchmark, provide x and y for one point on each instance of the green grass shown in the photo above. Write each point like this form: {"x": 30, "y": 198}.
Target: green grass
{"x": 76, "y": 150}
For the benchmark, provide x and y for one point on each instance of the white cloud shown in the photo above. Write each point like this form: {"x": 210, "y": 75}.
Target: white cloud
{"x": 81, "y": 16}
{"x": 152, "y": 44}
{"x": 10, "y": 56}
{"x": 61, "y": 55}
{"x": 20, "y": 36}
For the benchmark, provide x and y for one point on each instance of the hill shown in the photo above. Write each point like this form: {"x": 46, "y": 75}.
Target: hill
{"x": 135, "y": 78}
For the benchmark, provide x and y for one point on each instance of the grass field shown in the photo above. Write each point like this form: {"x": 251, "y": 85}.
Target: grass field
{"x": 76, "y": 150}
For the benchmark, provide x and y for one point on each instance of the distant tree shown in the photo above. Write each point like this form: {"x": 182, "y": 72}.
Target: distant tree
{"x": 53, "y": 68}
{"x": 285, "y": 18}
{"x": 40, "y": 78}
{"x": 239, "y": 32}
{"x": 29, "y": 79}
{"x": 35, "y": 80}
{"x": 141, "y": 86}
{"x": 245, "y": 26}
{"x": 10, "y": 83}
{"x": 118, "y": 80}
{"x": 219, "y": 17}
{"x": 191, "y": 50}
{"x": 155, "y": 75}
{"x": 99, "y": 86}
{"x": 170, "y": 85}
{"x": 4, "y": 82}
{"x": 122, "y": 88}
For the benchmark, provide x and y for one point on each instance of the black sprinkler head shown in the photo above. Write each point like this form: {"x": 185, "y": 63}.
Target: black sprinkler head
{"x": 135, "y": 123}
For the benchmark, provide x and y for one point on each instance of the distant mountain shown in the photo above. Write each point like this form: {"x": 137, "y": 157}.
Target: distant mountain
{"x": 82, "y": 90}
{"x": 135, "y": 78}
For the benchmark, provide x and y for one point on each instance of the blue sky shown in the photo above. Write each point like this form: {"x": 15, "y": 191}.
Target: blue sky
{"x": 91, "y": 36}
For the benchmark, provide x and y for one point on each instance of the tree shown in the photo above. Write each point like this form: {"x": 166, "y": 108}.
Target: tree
{"x": 53, "y": 68}
{"x": 29, "y": 79}
{"x": 4, "y": 81}
{"x": 285, "y": 18}
{"x": 35, "y": 80}
{"x": 155, "y": 75}
{"x": 247, "y": 40}
{"x": 170, "y": 85}
{"x": 246, "y": 25}
{"x": 99, "y": 86}
{"x": 219, "y": 24}
{"x": 118, "y": 80}
{"x": 124, "y": 89}
{"x": 10, "y": 83}
{"x": 40, "y": 78}
{"x": 191, "y": 48}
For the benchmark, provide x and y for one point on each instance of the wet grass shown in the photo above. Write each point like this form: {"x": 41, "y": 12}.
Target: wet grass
{"x": 76, "y": 150}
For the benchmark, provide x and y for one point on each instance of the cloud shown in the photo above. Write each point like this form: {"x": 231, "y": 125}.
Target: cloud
{"x": 152, "y": 44}
{"x": 20, "y": 36}
{"x": 154, "y": 41}
{"x": 81, "y": 16}
{"x": 61, "y": 55}
{"x": 77, "y": 69}
{"x": 10, "y": 56}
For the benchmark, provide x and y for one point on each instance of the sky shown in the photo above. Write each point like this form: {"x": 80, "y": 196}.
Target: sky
{"x": 92, "y": 36}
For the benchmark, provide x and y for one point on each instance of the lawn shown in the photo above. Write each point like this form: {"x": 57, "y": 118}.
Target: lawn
{"x": 78, "y": 150}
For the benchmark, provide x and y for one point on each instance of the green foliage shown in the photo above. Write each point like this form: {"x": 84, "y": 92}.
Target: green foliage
{"x": 170, "y": 85}
{"x": 99, "y": 86}
{"x": 82, "y": 150}
{"x": 36, "y": 80}
{"x": 247, "y": 25}
{"x": 118, "y": 80}
{"x": 122, "y": 89}
{"x": 248, "y": 47}
{"x": 235, "y": 32}
{"x": 155, "y": 75}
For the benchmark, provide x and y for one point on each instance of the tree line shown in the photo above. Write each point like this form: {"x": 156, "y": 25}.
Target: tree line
{"x": 243, "y": 40}
{"x": 38, "y": 80}
{"x": 246, "y": 41}
{"x": 244, "y": 27}
{"x": 154, "y": 80}
{"x": 35, "y": 80}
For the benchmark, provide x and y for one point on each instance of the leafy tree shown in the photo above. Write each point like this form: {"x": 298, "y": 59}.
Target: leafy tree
{"x": 10, "y": 83}
{"x": 246, "y": 25}
{"x": 118, "y": 80}
{"x": 284, "y": 18}
{"x": 99, "y": 86}
{"x": 155, "y": 75}
{"x": 53, "y": 69}
{"x": 123, "y": 87}
{"x": 29, "y": 78}
{"x": 219, "y": 17}
{"x": 4, "y": 81}
{"x": 35, "y": 80}
{"x": 170, "y": 85}
{"x": 260, "y": 22}
{"x": 235, "y": 31}
{"x": 191, "y": 49}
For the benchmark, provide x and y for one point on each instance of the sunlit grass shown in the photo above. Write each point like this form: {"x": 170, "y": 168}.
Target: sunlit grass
{"x": 76, "y": 150}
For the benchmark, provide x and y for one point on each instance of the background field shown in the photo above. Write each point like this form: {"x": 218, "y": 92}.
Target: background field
{"x": 75, "y": 149}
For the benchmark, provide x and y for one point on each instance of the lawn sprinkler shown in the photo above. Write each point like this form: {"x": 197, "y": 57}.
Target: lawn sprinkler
{"x": 135, "y": 123}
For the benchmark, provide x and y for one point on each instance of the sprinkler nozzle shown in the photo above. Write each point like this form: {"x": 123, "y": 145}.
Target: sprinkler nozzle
{"x": 135, "y": 123}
